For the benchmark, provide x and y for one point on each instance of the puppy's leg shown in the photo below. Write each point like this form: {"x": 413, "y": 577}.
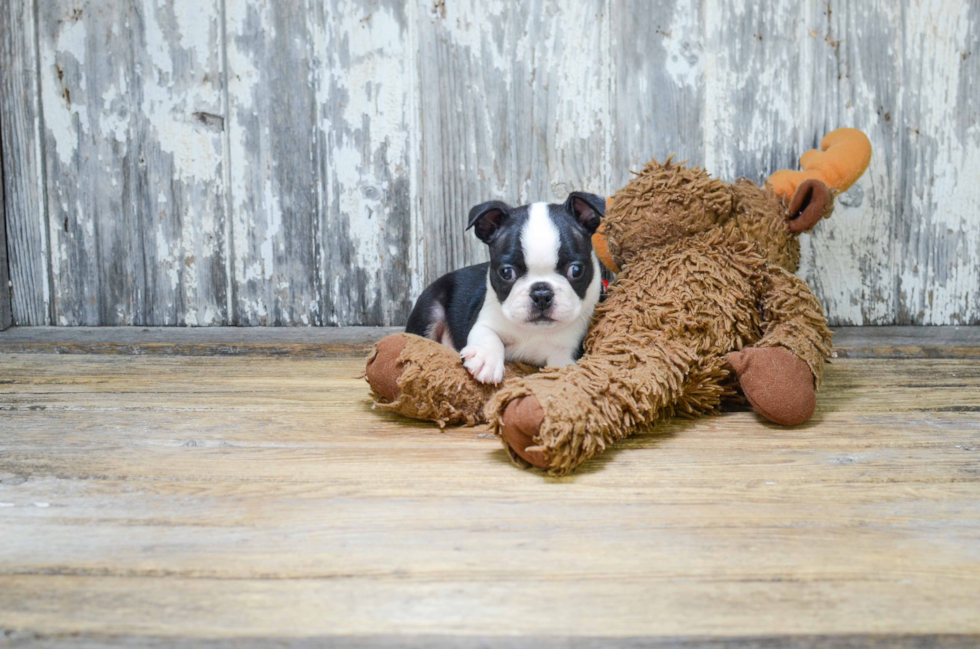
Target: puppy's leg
{"x": 428, "y": 318}
{"x": 483, "y": 355}
{"x": 438, "y": 327}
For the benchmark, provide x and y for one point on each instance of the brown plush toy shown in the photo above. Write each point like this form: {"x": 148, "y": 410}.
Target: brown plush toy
{"x": 704, "y": 303}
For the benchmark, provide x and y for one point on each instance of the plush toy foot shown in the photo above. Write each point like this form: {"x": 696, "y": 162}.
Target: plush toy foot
{"x": 520, "y": 422}
{"x": 778, "y": 384}
{"x": 383, "y": 368}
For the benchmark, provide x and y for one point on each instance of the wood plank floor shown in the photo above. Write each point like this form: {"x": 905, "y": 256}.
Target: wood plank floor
{"x": 236, "y": 499}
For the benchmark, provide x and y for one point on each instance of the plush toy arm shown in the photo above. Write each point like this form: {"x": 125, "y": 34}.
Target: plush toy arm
{"x": 558, "y": 419}
{"x": 845, "y": 155}
{"x": 423, "y": 379}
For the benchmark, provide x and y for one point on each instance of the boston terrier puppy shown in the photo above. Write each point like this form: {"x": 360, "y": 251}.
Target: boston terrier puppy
{"x": 533, "y": 301}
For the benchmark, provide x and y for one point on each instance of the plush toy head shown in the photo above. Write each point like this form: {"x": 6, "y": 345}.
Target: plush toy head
{"x": 661, "y": 205}
{"x": 667, "y": 202}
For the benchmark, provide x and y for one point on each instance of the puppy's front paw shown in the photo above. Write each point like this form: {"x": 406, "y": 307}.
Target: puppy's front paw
{"x": 483, "y": 364}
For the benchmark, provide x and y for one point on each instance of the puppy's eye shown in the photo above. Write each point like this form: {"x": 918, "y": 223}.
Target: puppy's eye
{"x": 507, "y": 273}
{"x": 575, "y": 270}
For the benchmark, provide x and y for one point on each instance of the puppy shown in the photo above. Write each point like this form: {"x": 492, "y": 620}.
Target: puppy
{"x": 533, "y": 301}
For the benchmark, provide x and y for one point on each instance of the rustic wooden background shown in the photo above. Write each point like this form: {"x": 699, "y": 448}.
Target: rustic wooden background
{"x": 261, "y": 162}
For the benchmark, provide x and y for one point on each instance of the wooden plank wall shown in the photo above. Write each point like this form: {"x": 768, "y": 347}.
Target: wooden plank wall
{"x": 6, "y": 317}
{"x": 208, "y": 162}
{"x": 20, "y": 135}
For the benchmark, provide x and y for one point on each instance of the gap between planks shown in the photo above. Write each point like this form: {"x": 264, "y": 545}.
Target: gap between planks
{"x": 897, "y": 342}
{"x": 934, "y": 641}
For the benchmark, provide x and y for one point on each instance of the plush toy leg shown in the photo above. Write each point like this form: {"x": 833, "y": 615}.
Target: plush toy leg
{"x": 778, "y": 384}
{"x": 423, "y": 379}
{"x": 557, "y": 419}
{"x": 780, "y": 373}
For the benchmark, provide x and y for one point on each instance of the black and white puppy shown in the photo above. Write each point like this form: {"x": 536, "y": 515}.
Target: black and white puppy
{"x": 533, "y": 301}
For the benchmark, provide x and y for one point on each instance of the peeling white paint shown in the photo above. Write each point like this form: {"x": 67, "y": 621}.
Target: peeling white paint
{"x": 169, "y": 104}
{"x": 740, "y": 56}
{"x": 937, "y": 279}
{"x": 685, "y": 58}
{"x": 377, "y": 84}
{"x": 454, "y": 104}
{"x": 253, "y": 209}
{"x": 583, "y": 103}
{"x": 64, "y": 114}
{"x": 466, "y": 23}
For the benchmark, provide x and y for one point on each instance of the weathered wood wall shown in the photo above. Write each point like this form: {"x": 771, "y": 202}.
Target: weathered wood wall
{"x": 6, "y": 317}
{"x": 208, "y": 162}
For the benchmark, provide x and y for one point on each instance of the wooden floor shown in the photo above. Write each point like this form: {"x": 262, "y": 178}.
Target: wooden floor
{"x": 233, "y": 499}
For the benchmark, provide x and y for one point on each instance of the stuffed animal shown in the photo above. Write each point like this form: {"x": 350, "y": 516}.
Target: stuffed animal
{"x": 704, "y": 306}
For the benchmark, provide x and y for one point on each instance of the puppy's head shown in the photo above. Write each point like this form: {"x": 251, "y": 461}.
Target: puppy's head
{"x": 542, "y": 269}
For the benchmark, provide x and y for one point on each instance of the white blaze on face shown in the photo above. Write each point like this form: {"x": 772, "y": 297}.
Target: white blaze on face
{"x": 540, "y": 242}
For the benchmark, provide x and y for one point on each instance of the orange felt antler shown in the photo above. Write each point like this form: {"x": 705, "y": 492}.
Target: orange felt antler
{"x": 845, "y": 156}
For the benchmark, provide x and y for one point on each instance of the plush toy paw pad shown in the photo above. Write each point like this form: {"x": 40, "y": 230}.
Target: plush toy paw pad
{"x": 483, "y": 364}
{"x": 383, "y": 369}
{"x": 778, "y": 384}
{"x": 520, "y": 422}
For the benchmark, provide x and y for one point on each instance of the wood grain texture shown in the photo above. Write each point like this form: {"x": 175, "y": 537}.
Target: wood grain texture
{"x": 88, "y": 81}
{"x": 132, "y": 101}
{"x": 937, "y": 249}
{"x": 271, "y": 124}
{"x": 22, "y": 143}
{"x": 366, "y": 98}
{"x": 181, "y": 186}
{"x": 212, "y": 499}
{"x": 850, "y": 260}
{"x": 6, "y": 317}
{"x": 658, "y": 84}
{"x": 312, "y": 163}
{"x": 320, "y": 106}
{"x": 907, "y": 342}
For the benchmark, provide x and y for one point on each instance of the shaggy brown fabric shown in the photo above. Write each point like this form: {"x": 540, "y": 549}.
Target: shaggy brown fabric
{"x": 778, "y": 384}
{"x": 662, "y": 204}
{"x": 758, "y": 216}
{"x": 429, "y": 381}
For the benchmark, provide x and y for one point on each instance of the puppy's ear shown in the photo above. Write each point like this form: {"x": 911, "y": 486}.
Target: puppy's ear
{"x": 588, "y": 209}
{"x": 487, "y": 217}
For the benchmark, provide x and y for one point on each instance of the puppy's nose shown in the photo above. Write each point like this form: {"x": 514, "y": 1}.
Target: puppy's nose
{"x": 541, "y": 295}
